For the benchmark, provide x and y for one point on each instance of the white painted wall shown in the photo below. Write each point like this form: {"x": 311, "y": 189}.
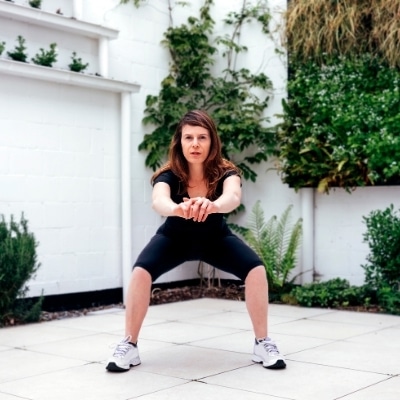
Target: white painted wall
{"x": 60, "y": 153}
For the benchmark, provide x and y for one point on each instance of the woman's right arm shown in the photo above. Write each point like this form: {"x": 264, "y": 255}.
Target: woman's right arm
{"x": 163, "y": 204}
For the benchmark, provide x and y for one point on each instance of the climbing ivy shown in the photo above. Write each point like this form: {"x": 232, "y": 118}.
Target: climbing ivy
{"x": 229, "y": 96}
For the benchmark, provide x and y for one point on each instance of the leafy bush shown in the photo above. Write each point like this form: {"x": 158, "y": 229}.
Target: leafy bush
{"x": 46, "y": 57}
{"x": 276, "y": 242}
{"x": 77, "y": 65}
{"x": 382, "y": 272}
{"x": 341, "y": 125}
{"x": 18, "y": 264}
{"x": 19, "y": 52}
{"x": 2, "y": 47}
{"x": 333, "y": 293}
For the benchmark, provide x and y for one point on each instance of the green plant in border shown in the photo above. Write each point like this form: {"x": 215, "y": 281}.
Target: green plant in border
{"x": 19, "y": 53}
{"x": 2, "y": 47}
{"x": 276, "y": 242}
{"x": 230, "y": 97}
{"x": 18, "y": 264}
{"x": 46, "y": 58}
{"x": 335, "y": 292}
{"x": 77, "y": 65}
{"x": 382, "y": 272}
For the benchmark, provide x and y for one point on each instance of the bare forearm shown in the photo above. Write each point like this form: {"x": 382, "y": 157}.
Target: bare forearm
{"x": 164, "y": 206}
{"x": 227, "y": 203}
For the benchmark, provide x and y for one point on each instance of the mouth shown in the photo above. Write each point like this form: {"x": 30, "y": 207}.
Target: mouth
{"x": 195, "y": 153}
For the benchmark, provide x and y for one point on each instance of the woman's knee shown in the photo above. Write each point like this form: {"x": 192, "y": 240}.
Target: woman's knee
{"x": 141, "y": 274}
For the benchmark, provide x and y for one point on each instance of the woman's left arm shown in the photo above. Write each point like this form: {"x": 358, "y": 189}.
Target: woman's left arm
{"x": 230, "y": 199}
{"x": 231, "y": 196}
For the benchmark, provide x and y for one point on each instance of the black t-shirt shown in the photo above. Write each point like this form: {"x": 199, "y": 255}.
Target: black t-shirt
{"x": 214, "y": 225}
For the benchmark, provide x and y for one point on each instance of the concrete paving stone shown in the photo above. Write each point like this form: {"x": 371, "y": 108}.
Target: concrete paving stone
{"x": 181, "y": 332}
{"x": 89, "y": 382}
{"x": 322, "y": 329}
{"x": 45, "y": 332}
{"x": 388, "y": 389}
{"x": 19, "y": 364}
{"x": 192, "y": 363}
{"x": 300, "y": 381}
{"x": 364, "y": 356}
{"x": 199, "y": 390}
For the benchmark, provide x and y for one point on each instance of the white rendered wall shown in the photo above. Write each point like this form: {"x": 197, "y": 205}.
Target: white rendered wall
{"x": 60, "y": 154}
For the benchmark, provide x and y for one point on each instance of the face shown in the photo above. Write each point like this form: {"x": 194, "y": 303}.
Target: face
{"x": 196, "y": 142}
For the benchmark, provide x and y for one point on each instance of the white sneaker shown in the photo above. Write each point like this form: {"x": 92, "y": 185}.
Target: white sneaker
{"x": 266, "y": 352}
{"x": 125, "y": 355}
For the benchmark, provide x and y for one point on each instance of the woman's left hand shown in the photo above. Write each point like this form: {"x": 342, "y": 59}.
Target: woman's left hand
{"x": 200, "y": 208}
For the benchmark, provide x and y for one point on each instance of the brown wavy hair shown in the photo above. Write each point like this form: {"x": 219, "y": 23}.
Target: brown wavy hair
{"x": 215, "y": 166}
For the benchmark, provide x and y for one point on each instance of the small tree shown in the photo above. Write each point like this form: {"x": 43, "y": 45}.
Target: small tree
{"x": 46, "y": 57}
{"x": 18, "y": 264}
{"x": 19, "y": 53}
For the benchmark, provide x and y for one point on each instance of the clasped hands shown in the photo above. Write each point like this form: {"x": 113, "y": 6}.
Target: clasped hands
{"x": 197, "y": 208}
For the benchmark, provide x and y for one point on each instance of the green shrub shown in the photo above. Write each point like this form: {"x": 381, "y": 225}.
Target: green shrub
{"x": 76, "y": 64}
{"x": 2, "y": 47}
{"x": 341, "y": 124}
{"x": 382, "y": 272}
{"x": 46, "y": 57}
{"x": 333, "y": 293}
{"x": 18, "y": 264}
{"x": 276, "y": 242}
{"x": 19, "y": 52}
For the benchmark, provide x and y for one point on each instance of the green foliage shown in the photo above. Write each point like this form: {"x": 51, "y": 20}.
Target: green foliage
{"x": 18, "y": 264}
{"x": 382, "y": 272}
{"x": 341, "y": 125}
{"x": 19, "y": 53}
{"x": 76, "y": 64}
{"x": 35, "y": 3}
{"x": 46, "y": 57}
{"x": 2, "y": 47}
{"x": 333, "y": 293}
{"x": 276, "y": 242}
{"x": 229, "y": 97}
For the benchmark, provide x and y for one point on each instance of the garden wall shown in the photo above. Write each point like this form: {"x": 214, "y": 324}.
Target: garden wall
{"x": 60, "y": 153}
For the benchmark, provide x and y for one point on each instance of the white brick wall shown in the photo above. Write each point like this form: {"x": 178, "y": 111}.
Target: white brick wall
{"x": 60, "y": 154}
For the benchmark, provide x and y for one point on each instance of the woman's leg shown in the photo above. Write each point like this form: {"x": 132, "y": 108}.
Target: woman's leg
{"x": 256, "y": 292}
{"x": 137, "y": 302}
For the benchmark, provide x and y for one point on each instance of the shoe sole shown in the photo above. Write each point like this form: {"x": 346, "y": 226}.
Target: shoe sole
{"x": 280, "y": 364}
{"x": 113, "y": 367}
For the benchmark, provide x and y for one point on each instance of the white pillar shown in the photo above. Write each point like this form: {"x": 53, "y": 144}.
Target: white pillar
{"x": 103, "y": 57}
{"x": 77, "y": 9}
{"x": 307, "y": 211}
{"x": 126, "y": 190}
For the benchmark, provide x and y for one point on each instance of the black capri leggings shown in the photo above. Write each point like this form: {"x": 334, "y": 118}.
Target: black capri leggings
{"x": 227, "y": 253}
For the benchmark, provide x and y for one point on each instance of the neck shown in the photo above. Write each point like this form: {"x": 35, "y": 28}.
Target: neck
{"x": 196, "y": 173}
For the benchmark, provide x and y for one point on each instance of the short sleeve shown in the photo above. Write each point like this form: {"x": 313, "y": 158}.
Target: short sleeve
{"x": 167, "y": 177}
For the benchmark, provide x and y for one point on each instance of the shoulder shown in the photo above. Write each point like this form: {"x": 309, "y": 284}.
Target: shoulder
{"x": 166, "y": 176}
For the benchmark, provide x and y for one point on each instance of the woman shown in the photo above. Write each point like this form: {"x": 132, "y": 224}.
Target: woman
{"x": 193, "y": 190}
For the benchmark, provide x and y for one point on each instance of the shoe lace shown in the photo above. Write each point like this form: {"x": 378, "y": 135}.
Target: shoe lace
{"x": 122, "y": 348}
{"x": 270, "y": 347}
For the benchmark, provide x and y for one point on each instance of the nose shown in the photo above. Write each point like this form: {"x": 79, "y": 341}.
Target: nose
{"x": 195, "y": 142}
